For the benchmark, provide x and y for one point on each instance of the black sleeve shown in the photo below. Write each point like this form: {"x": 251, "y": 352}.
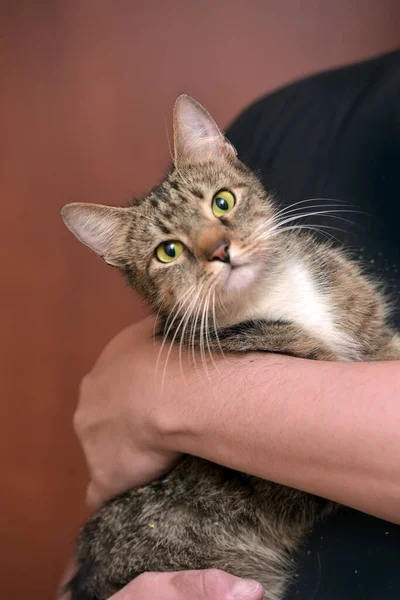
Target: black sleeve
{"x": 336, "y": 135}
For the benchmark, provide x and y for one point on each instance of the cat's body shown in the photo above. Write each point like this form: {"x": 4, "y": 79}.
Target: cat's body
{"x": 279, "y": 291}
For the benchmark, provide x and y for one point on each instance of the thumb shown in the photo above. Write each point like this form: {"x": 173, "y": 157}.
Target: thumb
{"x": 211, "y": 584}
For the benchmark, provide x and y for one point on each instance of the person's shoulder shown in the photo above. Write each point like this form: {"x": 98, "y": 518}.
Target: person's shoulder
{"x": 325, "y": 87}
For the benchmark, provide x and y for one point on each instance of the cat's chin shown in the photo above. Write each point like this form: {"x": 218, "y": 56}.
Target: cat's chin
{"x": 241, "y": 278}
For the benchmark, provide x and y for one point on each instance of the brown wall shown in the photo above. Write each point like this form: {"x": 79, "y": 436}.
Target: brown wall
{"x": 86, "y": 89}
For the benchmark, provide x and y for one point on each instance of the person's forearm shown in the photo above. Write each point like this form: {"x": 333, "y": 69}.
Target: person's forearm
{"x": 332, "y": 429}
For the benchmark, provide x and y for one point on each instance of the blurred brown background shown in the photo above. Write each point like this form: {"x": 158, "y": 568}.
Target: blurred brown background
{"x": 87, "y": 88}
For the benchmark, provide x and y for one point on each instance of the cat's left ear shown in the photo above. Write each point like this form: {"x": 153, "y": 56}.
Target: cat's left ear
{"x": 103, "y": 228}
{"x": 196, "y": 135}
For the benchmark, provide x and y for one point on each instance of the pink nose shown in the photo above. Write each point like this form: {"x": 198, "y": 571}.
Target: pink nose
{"x": 221, "y": 252}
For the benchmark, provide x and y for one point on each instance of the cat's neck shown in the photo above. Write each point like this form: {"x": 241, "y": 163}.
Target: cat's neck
{"x": 293, "y": 294}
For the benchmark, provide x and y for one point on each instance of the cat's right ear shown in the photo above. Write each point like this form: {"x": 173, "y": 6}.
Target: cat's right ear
{"x": 102, "y": 228}
{"x": 197, "y": 137}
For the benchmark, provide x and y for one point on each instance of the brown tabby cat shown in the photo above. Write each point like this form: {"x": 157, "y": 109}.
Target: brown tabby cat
{"x": 209, "y": 250}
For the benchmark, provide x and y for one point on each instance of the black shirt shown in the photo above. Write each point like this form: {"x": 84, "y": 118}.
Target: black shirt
{"x": 336, "y": 136}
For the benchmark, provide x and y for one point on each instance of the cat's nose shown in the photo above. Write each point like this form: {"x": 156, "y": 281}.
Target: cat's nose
{"x": 220, "y": 252}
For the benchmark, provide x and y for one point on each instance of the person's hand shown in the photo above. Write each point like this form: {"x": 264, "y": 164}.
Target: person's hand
{"x": 211, "y": 584}
{"x": 190, "y": 585}
{"x": 117, "y": 415}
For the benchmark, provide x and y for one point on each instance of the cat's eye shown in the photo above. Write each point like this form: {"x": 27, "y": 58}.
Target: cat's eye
{"x": 169, "y": 251}
{"x": 222, "y": 203}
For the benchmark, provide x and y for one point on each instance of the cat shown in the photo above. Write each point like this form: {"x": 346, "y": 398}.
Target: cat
{"x": 227, "y": 271}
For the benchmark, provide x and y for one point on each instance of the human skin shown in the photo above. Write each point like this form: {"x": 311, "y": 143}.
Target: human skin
{"x": 210, "y": 584}
{"x": 331, "y": 429}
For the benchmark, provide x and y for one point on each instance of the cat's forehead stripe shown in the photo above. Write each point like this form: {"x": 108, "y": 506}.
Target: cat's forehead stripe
{"x": 196, "y": 192}
{"x": 241, "y": 185}
{"x": 163, "y": 227}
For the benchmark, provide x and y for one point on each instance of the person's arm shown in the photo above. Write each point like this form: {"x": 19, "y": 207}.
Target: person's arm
{"x": 331, "y": 429}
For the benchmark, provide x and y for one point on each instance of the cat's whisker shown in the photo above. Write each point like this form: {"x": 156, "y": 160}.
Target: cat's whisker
{"x": 317, "y": 228}
{"x": 201, "y": 339}
{"x": 180, "y": 303}
{"x": 162, "y": 307}
{"x": 264, "y": 225}
{"x": 222, "y": 305}
{"x": 172, "y": 312}
{"x": 288, "y": 211}
{"x": 279, "y": 227}
{"x": 296, "y": 205}
{"x": 332, "y": 213}
{"x": 209, "y": 341}
{"x": 207, "y": 331}
{"x": 214, "y": 320}
{"x": 155, "y": 324}
{"x": 171, "y": 346}
{"x": 326, "y": 234}
{"x": 186, "y": 320}
{"x": 286, "y": 214}
{"x": 313, "y": 207}
{"x": 193, "y": 329}
{"x": 304, "y": 225}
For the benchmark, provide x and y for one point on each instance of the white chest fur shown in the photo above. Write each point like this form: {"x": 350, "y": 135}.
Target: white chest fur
{"x": 294, "y": 296}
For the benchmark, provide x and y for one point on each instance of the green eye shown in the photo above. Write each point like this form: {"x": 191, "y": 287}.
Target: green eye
{"x": 222, "y": 203}
{"x": 169, "y": 251}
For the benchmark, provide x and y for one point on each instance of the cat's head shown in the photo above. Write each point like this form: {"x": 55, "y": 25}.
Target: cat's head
{"x": 197, "y": 239}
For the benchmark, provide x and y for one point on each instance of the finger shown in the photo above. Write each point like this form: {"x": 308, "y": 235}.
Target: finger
{"x": 214, "y": 584}
{"x": 97, "y": 494}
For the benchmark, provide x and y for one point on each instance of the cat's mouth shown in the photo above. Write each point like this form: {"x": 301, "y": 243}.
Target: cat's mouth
{"x": 239, "y": 276}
